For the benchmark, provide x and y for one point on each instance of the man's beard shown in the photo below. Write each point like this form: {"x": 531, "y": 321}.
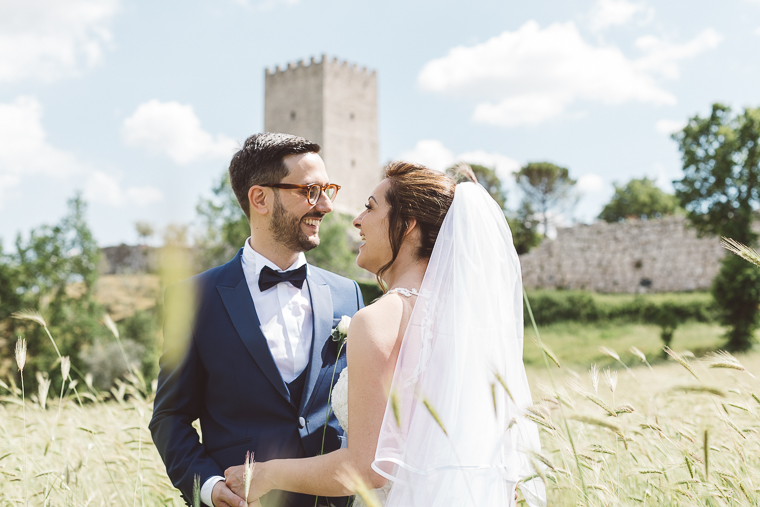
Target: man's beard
{"x": 286, "y": 228}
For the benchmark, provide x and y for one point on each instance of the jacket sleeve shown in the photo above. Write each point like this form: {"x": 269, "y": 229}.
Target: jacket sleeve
{"x": 179, "y": 396}
{"x": 359, "y": 297}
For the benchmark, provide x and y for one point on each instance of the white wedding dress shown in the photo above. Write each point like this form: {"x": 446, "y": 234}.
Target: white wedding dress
{"x": 451, "y": 435}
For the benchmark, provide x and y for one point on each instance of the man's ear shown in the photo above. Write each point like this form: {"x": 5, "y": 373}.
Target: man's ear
{"x": 259, "y": 200}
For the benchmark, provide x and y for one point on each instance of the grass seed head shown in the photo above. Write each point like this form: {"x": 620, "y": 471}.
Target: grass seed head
{"x": 722, "y": 359}
{"x": 21, "y": 353}
{"x": 594, "y": 373}
{"x": 352, "y": 481}
{"x": 65, "y": 367}
{"x": 30, "y": 315}
{"x": 248, "y": 473}
{"x": 743, "y": 251}
{"x": 43, "y": 387}
{"x": 680, "y": 360}
{"x": 111, "y": 325}
{"x": 609, "y": 352}
{"x": 636, "y": 352}
{"x": 611, "y": 379}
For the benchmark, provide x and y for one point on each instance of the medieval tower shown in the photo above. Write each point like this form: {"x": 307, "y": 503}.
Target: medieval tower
{"x": 335, "y": 105}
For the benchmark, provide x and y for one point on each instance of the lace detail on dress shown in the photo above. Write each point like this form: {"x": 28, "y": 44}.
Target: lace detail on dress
{"x": 404, "y": 292}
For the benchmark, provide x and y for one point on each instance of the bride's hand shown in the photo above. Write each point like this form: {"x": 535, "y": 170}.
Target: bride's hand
{"x": 235, "y": 479}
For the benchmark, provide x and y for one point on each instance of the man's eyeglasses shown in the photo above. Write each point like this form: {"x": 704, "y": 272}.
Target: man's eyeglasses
{"x": 313, "y": 191}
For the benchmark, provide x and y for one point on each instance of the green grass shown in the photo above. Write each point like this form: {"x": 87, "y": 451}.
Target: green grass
{"x": 578, "y": 344}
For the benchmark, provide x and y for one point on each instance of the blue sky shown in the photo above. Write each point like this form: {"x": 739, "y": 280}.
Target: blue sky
{"x": 140, "y": 104}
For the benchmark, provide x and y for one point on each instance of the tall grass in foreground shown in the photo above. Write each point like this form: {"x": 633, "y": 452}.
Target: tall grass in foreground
{"x": 83, "y": 451}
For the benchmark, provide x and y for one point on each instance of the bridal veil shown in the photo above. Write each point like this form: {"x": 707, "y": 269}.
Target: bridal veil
{"x": 452, "y": 434}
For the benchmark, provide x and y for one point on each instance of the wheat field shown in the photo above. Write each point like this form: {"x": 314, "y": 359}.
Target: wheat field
{"x": 684, "y": 432}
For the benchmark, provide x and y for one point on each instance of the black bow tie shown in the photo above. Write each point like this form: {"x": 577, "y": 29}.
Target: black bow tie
{"x": 268, "y": 277}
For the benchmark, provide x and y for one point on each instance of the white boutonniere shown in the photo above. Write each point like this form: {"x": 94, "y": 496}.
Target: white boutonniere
{"x": 340, "y": 333}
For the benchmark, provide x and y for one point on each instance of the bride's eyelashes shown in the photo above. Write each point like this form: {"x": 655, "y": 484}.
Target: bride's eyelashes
{"x": 369, "y": 208}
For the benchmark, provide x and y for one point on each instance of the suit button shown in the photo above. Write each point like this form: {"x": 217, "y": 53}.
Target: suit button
{"x": 301, "y": 422}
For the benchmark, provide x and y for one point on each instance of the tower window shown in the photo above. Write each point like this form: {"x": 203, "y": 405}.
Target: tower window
{"x": 292, "y": 115}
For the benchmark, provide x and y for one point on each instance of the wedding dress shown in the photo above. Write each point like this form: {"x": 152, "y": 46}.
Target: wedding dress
{"x": 339, "y": 401}
{"x": 454, "y": 431}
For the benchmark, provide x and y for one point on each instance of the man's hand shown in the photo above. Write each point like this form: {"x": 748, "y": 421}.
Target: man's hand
{"x": 235, "y": 479}
{"x": 222, "y": 496}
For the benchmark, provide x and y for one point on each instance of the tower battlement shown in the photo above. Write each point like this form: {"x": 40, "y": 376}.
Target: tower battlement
{"x": 333, "y": 103}
{"x": 310, "y": 64}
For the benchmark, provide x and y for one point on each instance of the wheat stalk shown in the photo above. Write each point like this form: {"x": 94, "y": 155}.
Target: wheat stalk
{"x": 743, "y": 251}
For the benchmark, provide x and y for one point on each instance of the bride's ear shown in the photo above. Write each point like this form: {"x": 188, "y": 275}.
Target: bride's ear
{"x": 410, "y": 225}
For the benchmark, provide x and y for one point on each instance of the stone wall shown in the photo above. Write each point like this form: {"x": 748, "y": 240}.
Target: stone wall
{"x": 334, "y": 104}
{"x": 663, "y": 255}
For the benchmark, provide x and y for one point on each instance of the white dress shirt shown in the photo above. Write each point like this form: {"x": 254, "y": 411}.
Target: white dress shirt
{"x": 286, "y": 320}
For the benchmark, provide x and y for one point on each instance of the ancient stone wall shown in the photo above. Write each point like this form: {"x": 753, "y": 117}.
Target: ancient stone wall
{"x": 334, "y": 104}
{"x": 663, "y": 255}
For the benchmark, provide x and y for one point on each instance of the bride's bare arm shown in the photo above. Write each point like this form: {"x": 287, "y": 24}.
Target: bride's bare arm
{"x": 373, "y": 344}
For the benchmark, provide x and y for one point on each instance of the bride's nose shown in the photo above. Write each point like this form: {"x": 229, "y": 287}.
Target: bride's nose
{"x": 358, "y": 220}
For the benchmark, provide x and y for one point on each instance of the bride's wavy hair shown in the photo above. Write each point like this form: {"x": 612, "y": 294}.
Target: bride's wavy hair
{"x": 423, "y": 194}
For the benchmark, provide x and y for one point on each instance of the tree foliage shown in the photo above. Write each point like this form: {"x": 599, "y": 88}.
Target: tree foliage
{"x": 720, "y": 191}
{"x": 639, "y": 198}
{"x": 54, "y": 272}
{"x": 545, "y": 186}
{"x": 224, "y": 227}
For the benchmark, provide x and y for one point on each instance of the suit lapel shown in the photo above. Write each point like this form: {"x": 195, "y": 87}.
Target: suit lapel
{"x": 322, "y": 308}
{"x": 236, "y": 297}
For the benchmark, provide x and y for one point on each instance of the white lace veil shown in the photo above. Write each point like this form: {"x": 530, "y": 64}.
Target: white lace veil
{"x": 466, "y": 328}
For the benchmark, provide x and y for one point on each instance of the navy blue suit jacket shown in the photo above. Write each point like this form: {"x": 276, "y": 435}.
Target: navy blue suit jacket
{"x": 217, "y": 367}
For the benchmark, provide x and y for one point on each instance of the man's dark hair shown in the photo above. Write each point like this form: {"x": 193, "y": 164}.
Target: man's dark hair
{"x": 260, "y": 162}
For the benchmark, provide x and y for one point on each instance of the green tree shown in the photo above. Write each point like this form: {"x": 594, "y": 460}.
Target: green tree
{"x": 54, "y": 272}
{"x": 720, "y": 191}
{"x": 639, "y": 198}
{"x": 224, "y": 225}
{"x": 524, "y": 229}
{"x": 545, "y": 186}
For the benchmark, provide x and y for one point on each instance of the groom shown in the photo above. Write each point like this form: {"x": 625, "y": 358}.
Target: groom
{"x": 250, "y": 354}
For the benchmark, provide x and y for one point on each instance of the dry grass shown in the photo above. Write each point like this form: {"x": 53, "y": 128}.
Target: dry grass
{"x": 656, "y": 455}
{"x": 101, "y": 454}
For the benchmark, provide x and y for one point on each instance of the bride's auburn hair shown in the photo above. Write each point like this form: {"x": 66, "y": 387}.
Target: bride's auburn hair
{"x": 418, "y": 193}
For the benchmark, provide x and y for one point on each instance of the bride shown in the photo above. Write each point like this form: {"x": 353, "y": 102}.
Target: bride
{"x": 437, "y": 386}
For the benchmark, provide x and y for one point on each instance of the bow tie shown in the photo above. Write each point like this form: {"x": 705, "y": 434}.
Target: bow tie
{"x": 268, "y": 277}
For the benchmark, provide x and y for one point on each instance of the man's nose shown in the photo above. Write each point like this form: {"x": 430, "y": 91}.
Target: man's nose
{"x": 324, "y": 204}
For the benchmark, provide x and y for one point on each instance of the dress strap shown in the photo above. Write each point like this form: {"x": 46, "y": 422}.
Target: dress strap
{"x": 404, "y": 292}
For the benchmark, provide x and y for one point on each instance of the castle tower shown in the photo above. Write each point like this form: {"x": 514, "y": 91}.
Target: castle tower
{"x": 335, "y": 105}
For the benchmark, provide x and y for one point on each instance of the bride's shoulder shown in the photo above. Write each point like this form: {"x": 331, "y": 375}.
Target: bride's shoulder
{"x": 379, "y": 321}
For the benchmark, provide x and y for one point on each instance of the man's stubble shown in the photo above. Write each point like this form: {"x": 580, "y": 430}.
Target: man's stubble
{"x": 286, "y": 228}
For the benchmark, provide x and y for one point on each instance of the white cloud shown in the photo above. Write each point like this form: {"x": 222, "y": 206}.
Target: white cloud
{"x": 107, "y": 189}
{"x": 174, "y": 130}
{"x": 590, "y": 183}
{"x": 532, "y": 75}
{"x": 24, "y": 150}
{"x": 51, "y": 39}
{"x": 608, "y": 13}
{"x": 433, "y": 154}
{"x": 668, "y": 127}
{"x": 26, "y": 153}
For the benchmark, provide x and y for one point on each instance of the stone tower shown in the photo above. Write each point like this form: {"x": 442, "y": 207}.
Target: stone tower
{"x": 335, "y": 105}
